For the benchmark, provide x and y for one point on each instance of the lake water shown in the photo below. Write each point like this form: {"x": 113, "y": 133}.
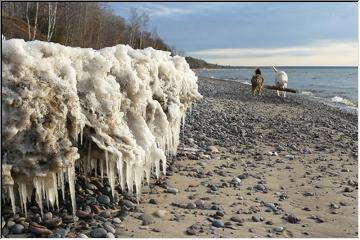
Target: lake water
{"x": 337, "y": 85}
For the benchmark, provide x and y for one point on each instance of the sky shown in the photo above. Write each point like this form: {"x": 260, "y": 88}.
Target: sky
{"x": 257, "y": 34}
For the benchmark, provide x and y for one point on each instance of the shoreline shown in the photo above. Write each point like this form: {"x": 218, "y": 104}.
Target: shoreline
{"x": 346, "y": 108}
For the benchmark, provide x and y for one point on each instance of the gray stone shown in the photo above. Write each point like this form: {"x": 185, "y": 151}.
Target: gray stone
{"x": 110, "y": 235}
{"x": 243, "y": 176}
{"x": 104, "y": 199}
{"x": 255, "y": 219}
{"x": 70, "y": 219}
{"x": 90, "y": 186}
{"x": 278, "y": 229}
{"x": 154, "y": 201}
{"x": 81, "y": 235}
{"x": 190, "y": 205}
{"x": 260, "y": 187}
{"x": 109, "y": 228}
{"x": 309, "y": 194}
{"x": 128, "y": 204}
{"x": 271, "y": 206}
{"x": 220, "y": 213}
{"x": 172, "y": 190}
{"x": 200, "y": 204}
{"x": 293, "y": 219}
{"x": 98, "y": 233}
{"x": 237, "y": 219}
{"x": 116, "y": 220}
{"x": 146, "y": 219}
{"x": 47, "y": 216}
{"x": 17, "y": 229}
{"x": 269, "y": 222}
{"x": 334, "y": 206}
{"x": 61, "y": 232}
{"x": 217, "y": 223}
{"x": 10, "y": 223}
{"x": 236, "y": 181}
{"x": 91, "y": 201}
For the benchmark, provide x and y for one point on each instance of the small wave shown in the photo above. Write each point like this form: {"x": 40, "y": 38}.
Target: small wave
{"x": 307, "y": 93}
{"x": 246, "y": 82}
{"x": 212, "y": 77}
{"x": 342, "y": 100}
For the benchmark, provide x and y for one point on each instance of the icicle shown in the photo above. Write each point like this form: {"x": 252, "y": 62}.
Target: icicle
{"x": 129, "y": 180}
{"x": 44, "y": 191}
{"x": 55, "y": 190}
{"x": 121, "y": 173}
{"x": 101, "y": 169}
{"x": 61, "y": 172}
{"x": 112, "y": 177}
{"x": 38, "y": 190}
{"x": 23, "y": 196}
{"x": 71, "y": 177}
{"x": 12, "y": 198}
{"x": 137, "y": 177}
{"x": 21, "y": 199}
{"x": 81, "y": 135}
{"x": 147, "y": 168}
{"x": 164, "y": 165}
{"x": 50, "y": 191}
{"x": 157, "y": 168}
{"x": 107, "y": 163}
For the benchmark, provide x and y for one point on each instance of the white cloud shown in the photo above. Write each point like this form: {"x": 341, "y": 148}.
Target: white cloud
{"x": 157, "y": 10}
{"x": 169, "y": 9}
{"x": 320, "y": 53}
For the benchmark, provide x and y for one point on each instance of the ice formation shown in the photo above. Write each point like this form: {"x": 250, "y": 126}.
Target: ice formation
{"x": 117, "y": 110}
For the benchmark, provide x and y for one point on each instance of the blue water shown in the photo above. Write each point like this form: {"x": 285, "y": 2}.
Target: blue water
{"x": 333, "y": 84}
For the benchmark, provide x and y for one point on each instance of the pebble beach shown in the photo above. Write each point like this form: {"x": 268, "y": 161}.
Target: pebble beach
{"x": 247, "y": 166}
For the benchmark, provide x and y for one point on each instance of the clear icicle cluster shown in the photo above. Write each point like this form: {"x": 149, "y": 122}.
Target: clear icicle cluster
{"x": 117, "y": 110}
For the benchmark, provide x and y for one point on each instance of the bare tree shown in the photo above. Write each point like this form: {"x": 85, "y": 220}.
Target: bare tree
{"x": 36, "y": 18}
{"x": 27, "y": 19}
{"x": 154, "y": 37}
{"x": 78, "y": 24}
{"x": 52, "y": 21}
{"x": 137, "y": 26}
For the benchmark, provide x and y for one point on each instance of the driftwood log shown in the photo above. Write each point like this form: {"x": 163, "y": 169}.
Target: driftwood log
{"x": 281, "y": 89}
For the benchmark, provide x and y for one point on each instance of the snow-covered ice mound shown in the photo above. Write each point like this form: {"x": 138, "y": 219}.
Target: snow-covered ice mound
{"x": 116, "y": 110}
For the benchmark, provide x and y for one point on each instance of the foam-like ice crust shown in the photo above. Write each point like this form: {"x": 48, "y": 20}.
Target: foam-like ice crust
{"x": 116, "y": 108}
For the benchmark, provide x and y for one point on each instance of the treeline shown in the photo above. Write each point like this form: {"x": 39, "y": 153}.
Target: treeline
{"x": 196, "y": 63}
{"x": 78, "y": 24}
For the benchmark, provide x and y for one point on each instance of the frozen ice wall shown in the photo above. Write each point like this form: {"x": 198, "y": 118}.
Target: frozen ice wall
{"x": 114, "y": 112}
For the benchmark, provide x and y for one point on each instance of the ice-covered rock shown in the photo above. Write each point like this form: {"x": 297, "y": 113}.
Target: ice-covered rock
{"x": 116, "y": 110}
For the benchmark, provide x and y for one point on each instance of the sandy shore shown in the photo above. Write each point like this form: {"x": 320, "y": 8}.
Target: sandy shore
{"x": 247, "y": 166}
{"x": 312, "y": 176}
